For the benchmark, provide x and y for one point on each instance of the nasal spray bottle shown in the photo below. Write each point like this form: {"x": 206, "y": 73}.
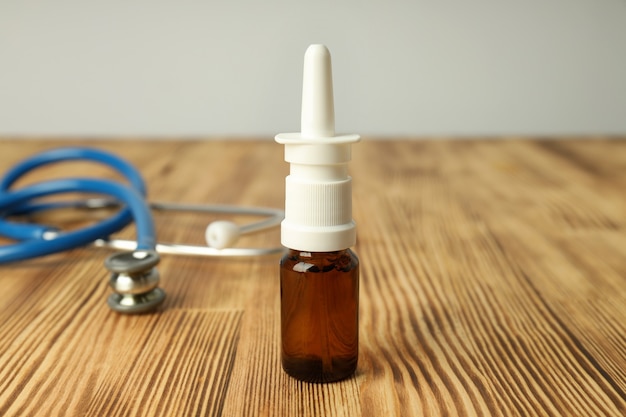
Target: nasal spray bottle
{"x": 319, "y": 274}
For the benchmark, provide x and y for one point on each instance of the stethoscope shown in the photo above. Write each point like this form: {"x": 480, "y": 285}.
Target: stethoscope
{"x": 134, "y": 276}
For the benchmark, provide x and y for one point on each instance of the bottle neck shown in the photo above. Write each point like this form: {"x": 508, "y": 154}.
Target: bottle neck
{"x": 303, "y": 253}
{"x": 301, "y": 261}
{"x": 317, "y": 258}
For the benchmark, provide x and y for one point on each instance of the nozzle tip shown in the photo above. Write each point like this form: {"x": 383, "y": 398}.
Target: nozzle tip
{"x": 318, "y": 110}
{"x": 317, "y": 48}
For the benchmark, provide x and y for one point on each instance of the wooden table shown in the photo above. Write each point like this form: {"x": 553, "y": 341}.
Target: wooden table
{"x": 493, "y": 283}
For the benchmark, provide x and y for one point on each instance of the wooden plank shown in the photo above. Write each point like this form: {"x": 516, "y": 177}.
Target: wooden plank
{"x": 493, "y": 283}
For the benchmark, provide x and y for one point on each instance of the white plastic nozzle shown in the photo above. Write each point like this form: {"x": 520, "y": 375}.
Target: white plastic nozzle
{"x": 318, "y": 201}
{"x": 318, "y": 108}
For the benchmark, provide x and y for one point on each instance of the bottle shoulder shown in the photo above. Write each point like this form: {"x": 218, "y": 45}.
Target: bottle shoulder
{"x": 345, "y": 260}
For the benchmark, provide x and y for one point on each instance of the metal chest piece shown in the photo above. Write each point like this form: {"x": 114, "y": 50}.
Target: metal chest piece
{"x": 135, "y": 280}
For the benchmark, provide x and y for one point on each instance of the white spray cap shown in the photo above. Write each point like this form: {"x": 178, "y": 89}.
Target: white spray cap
{"x": 318, "y": 195}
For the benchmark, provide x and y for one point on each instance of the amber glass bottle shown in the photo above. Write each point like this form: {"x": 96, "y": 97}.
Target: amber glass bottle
{"x": 319, "y": 275}
{"x": 319, "y": 314}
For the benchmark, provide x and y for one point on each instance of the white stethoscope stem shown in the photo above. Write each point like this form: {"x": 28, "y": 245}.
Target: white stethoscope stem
{"x": 275, "y": 216}
{"x": 273, "y": 219}
{"x": 190, "y": 250}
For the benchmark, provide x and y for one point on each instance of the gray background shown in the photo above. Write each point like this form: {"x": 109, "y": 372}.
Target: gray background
{"x": 233, "y": 68}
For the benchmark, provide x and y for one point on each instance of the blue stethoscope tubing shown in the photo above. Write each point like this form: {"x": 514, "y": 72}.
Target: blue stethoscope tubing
{"x": 39, "y": 240}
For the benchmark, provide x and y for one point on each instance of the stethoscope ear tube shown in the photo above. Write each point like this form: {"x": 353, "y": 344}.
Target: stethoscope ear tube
{"x": 52, "y": 156}
{"x": 134, "y": 209}
{"x": 34, "y": 240}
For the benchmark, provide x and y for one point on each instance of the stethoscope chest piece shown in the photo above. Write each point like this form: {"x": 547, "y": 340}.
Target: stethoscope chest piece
{"x": 135, "y": 280}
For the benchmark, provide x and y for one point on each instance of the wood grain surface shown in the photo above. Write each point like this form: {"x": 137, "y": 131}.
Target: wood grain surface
{"x": 493, "y": 283}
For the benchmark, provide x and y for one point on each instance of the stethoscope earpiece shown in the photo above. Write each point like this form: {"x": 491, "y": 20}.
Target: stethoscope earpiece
{"x": 135, "y": 280}
{"x": 222, "y": 234}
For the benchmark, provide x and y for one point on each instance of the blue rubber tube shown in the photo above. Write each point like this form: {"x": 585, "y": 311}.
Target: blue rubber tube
{"x": 31, "y": 237}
